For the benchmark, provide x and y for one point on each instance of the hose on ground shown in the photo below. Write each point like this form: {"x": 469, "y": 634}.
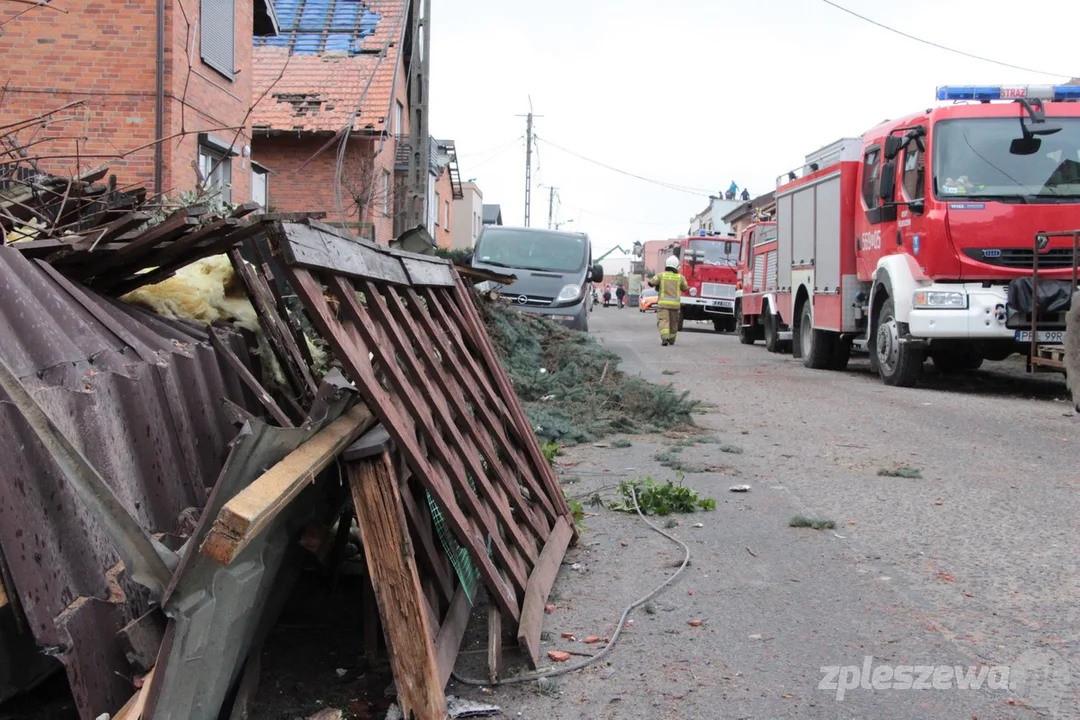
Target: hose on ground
{"x": 574, "y": 667}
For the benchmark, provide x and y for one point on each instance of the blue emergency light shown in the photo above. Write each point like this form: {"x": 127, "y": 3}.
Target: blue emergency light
{"x": 1057, "y": 93}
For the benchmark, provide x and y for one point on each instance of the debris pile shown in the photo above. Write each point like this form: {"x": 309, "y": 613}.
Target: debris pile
{"x": 173, "y": 496}
{"x": 572, "y": 388}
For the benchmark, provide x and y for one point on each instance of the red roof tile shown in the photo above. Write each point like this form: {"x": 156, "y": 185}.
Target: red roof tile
{"x": 318, "y": 93}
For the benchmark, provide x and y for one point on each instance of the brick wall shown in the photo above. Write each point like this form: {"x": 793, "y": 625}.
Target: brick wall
{"x": 312, "y": 188}
{"x": 103, "y": 54}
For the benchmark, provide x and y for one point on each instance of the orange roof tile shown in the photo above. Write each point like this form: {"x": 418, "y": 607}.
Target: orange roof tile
{"x": 320, "y": 92}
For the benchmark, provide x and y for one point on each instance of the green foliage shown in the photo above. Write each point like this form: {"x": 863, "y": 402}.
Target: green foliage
{"x": 733, "y": 449}
{"x": 660, "y": 498}
{"x": 455, "y": 256}
{"x": 800, "y": 521}
{"x": 571, "y": 387}
{"x": 621, "y": 443}
{"x": 550, "y": 450}
{"x": 577, "y": 509}
{"x": 904, "y": 471}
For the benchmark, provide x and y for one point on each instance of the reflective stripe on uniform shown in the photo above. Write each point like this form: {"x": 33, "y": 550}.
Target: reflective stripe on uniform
{"x": 669, "y": 290}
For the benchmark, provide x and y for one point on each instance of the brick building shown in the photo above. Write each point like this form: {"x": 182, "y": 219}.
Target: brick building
{"x": 103, "y": 59}
{"x": 332, "y": 121}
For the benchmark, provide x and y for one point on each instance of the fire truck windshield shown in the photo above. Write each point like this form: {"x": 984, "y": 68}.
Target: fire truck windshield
{"x": 715, "y": 252}
{"x": 973, "y": 158}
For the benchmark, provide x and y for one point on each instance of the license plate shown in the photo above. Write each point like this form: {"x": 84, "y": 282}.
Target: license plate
{"x": 1043, "y": 336}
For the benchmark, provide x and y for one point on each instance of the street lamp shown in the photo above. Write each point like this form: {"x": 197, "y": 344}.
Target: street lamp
{"x": 560, "y": 224}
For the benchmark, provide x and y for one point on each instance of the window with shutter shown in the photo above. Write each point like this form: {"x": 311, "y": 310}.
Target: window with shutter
{"x": 217, "y": 34}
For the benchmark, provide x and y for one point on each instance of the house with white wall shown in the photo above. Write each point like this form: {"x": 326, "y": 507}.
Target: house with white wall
{"x": 468, "y": 217}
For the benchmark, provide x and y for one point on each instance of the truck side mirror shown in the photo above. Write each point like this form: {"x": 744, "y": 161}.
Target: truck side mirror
{"x": 887, "y": 190}
{"x": 893, "y": 146}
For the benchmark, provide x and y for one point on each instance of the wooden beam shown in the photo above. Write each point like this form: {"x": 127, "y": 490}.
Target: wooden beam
{"x": 451, "y": 633}
{"x": 392, "y": 565}
{"x": 226, "y": 353}
{"x": 494, "y": 643}
{"x": 540, "y": 583}
{"x": 133, "y": 708}
{"x": 245, "y": 516}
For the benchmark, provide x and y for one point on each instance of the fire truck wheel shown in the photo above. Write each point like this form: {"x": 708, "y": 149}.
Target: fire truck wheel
{"x": 746, "y": 334}
{"x": 841, "y": 354}
{"x": 772, "y": 336}
{"x": 899, "y": 364}
{"x": 816, "y": 346}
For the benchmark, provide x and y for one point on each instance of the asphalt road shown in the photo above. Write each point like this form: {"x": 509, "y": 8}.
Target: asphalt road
{"x": 973, "y": 564}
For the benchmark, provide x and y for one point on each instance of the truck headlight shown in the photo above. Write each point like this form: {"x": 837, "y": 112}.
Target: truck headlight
{"x": 939, "y": 300}
{"x": 569, "y": 293}
{"x": 693, "y": 292}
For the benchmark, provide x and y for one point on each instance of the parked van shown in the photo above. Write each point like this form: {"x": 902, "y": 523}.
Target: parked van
{"x": 554, "y": 270}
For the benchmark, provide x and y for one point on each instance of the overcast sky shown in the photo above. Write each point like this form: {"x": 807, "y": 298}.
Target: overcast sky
{"x": 698, "y": 93}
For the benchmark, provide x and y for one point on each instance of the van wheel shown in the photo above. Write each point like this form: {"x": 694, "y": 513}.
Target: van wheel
{"x": 899, "y": 364}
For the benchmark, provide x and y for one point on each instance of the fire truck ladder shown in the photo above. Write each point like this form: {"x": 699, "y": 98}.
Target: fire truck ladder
{"x": 1047, "y": 357}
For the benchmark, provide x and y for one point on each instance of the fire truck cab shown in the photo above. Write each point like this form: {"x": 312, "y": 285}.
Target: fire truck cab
{"x": 708, "y": 262}
{"x": 918, "y": 239}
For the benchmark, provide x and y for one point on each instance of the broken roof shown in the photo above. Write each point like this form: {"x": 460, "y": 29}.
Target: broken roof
{"x": 330, "y": 58}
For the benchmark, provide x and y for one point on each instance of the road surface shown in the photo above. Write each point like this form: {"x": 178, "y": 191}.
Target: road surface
{"x": 970, "y": 567}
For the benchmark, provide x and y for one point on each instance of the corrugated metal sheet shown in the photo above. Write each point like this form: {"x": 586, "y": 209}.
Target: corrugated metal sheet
{"x": 141, "y": 397}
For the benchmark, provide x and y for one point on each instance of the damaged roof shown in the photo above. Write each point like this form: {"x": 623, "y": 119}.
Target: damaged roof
{"x": 330, "y": 58}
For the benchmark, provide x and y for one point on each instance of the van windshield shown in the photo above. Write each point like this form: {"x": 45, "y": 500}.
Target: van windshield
{"x": 972, "y": 158}
{"x": 532, "y": 250}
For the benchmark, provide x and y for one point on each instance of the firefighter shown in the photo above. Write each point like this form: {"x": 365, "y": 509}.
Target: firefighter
{"x": 670, "y": 285}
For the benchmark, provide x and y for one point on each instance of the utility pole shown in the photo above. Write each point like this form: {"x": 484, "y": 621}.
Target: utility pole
{"x": 551, "y": 206}
{"x": 528, "y": 160}
{"x": 416, "y": 199}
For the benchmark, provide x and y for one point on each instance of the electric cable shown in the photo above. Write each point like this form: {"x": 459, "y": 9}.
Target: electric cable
{"x": 497, "y": 148}
{"x": 618, "y": 629}
{"x": 942, "y": 47}
{"x": 670, "y": 186}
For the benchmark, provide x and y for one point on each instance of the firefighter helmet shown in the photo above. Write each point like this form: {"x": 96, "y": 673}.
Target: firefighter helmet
{"x": 672, "y": 263}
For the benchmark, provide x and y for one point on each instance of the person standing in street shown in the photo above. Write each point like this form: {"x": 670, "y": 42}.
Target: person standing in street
{"x": 670, "y": 285}
{"x": 620, "y": 294}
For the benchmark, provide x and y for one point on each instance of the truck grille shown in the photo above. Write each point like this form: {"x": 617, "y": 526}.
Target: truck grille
{"x": 1021, "y": 257}
{"x": 717, "y": 290}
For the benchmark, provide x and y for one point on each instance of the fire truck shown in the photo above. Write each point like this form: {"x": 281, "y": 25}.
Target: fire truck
{"x": 708, "y": 262}
{"x": 918, "y": 239}
{"x": 755, "y": 284}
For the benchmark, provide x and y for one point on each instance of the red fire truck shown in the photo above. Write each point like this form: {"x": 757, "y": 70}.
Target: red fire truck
{"x": 918, "y": 239}
{"x": 755, "y": 284}
{"x": 708, "y": 262}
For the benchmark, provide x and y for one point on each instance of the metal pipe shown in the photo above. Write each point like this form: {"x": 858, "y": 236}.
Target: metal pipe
{"x": 159, "y": 101}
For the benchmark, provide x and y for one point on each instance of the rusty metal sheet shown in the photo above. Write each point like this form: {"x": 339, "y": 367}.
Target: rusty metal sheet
{"x": 216, "y": 613}
{"x": 141, "y": 398}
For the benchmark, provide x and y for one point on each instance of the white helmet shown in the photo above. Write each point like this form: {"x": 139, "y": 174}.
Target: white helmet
{"x": 672, "y": 263}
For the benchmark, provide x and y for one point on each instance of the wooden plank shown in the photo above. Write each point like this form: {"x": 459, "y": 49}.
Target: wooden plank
{"x": 355, "y": 359}
{"x": 430, "y": 555}
{"x": 451, "y": 633}
{"x": 494, "y": 643}
{"x": 397, "y": 588}
{"x": 370, "y": 609}
{"x": 486, "y": 404}
{"x": 283, "y": 343}
{"x": 540, "y": 583}
{"x": 427, "y": 273}
{"x": 260, "y": 251}
{"x": 172, "y": 227}
{"x": 245, "y": 516}
{"x": 312, "y": 248}
{"x": 174, "y": 256}
{"x": 414, "y": 404}
{"x": 391, "y": 312}
{"x": 133, "y": 709}
{"x": 225, "y": 352}
{"x": 470, "y": 315}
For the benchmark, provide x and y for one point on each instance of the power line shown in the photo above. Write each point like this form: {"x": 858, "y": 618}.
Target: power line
{"x": 629, "y": 222}
{"x": 498, "y": 154}
{"x": 498, "y": 148}
{"x": 943, "y": 47}
{"x": 661, "y": 183}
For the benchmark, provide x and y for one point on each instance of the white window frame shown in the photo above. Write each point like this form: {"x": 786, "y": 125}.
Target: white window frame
{"x": 438, "y": 202}
{"x": 215, "y": 167}
{"x": 258, "y": 171}
{"x": 386, "y": 192}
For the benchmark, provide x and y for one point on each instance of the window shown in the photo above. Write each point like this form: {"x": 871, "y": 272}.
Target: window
{"x": 217, "y": 33}
{"x": 914, "y": 172}
{"x": 437, "y": 200}
{"x": 215, "y": 167}
{"x": 871, "y": 175}
{"x": 399, "y": 118}
{"x": 447, "y": 223}
{"x": 260, "y": 185}
{"x": 385, "y": 192}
